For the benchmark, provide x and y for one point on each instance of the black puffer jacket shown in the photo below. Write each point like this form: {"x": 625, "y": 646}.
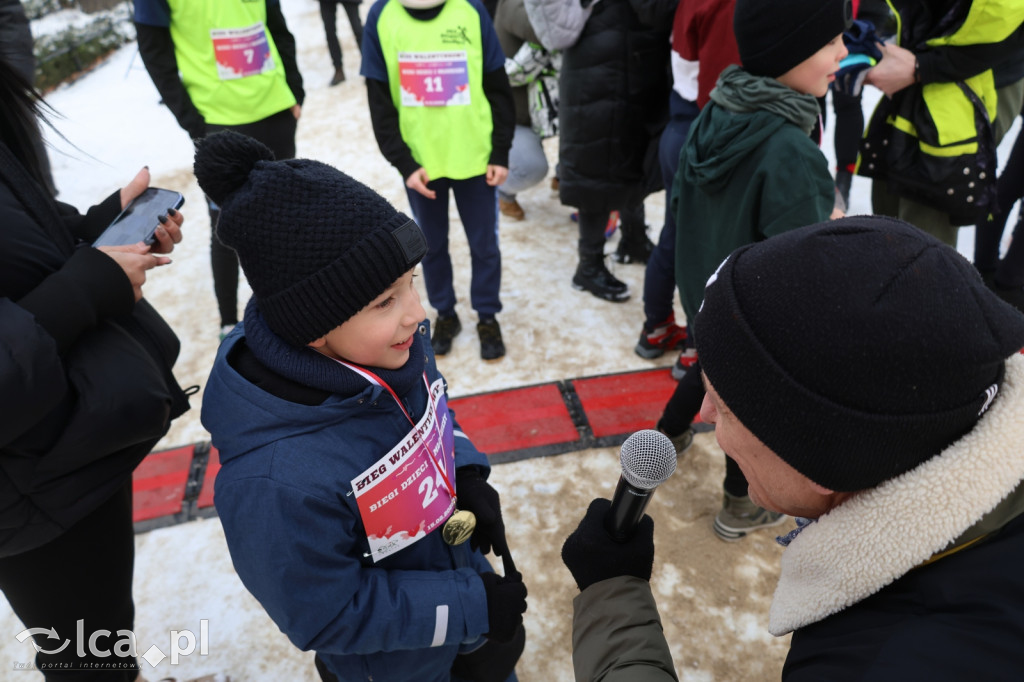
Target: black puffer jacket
{"x": 614, "y": 86}
{"x": 86, "y": 388}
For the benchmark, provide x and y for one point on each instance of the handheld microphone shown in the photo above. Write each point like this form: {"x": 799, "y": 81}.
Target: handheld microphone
{"x": 648, "y": 458}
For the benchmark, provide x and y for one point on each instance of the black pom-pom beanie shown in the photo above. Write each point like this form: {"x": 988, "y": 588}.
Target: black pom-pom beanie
{"x": 773, "y": 36}
{"x": 854, "y": 349}
{"x": 316, "y": 245}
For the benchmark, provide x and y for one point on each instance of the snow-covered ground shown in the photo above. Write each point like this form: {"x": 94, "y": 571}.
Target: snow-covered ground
{"x": 713, "y": 597}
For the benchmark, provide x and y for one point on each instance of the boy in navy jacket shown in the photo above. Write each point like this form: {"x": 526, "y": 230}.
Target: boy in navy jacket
{"x": 345, "y": 478}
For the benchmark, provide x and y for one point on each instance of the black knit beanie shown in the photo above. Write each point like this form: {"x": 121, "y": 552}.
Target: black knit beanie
{"x": 854, "y": 349}
{"x": 316, "y": 245}
{"x": 775, "y": 35}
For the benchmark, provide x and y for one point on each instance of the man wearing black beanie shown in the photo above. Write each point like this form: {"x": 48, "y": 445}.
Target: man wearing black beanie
{"x": 900, "y": 452}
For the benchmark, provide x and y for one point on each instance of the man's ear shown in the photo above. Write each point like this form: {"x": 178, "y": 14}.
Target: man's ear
{"x": 317, "y": 343}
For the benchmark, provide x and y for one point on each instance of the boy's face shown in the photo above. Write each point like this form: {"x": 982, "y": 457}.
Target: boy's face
{"x": 813, "y": 75}
{"x": 381, "y": 334}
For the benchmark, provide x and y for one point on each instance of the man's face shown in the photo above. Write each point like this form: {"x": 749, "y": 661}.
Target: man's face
{"x": 773, "y": 484}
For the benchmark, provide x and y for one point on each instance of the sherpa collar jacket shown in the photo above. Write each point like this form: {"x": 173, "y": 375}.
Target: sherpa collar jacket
{"x": 918, "y": 579}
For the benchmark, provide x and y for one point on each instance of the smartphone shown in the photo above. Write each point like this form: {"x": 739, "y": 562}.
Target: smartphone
{"x": 139, "y": 220}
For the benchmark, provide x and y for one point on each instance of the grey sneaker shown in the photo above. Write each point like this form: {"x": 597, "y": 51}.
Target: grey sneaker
{"x": 682, "y": 442}
{"x": 739, "y": 516}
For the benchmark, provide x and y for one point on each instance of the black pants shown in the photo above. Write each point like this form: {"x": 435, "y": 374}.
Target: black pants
{"x": 679, "y": 412}
{"x": 593, "y": 224}
{"x": 1008, "y": 271}
{"x": 329, "y": 13}
{"x": 278, "y": 133}
{"x": 85, "y": 574}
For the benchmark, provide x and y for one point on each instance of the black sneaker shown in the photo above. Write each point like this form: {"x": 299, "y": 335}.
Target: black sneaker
{"x": 446, "y": 328}
{"x": 491, "y": 345}
{"x": 592, "y": 275}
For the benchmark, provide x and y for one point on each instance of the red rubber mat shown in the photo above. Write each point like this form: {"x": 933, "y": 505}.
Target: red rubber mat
{"x": 158, "y": 484}
{"x": 516, "y": 419}
{"x": 623, "y": 403}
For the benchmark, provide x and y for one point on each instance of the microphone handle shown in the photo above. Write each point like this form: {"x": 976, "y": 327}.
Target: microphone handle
{"x": 627, "y": 509}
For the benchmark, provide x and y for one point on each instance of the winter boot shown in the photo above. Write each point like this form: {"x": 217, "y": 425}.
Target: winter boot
{"x": 666, "y": 336}
{"x": 634, "y": 245}
{"x": 592, "y": 275}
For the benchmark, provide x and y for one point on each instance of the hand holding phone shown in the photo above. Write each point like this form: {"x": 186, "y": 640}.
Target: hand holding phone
{"x": 139, "y": 220}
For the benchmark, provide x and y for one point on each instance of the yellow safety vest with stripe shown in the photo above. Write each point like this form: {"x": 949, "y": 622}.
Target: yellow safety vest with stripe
{"x": 435, "y": 74}
{"x": 228, "y": 61}
{"x": 950, "y": 123}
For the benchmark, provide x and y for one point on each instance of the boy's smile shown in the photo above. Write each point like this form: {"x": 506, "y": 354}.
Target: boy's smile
{"x": 381, "y": 334}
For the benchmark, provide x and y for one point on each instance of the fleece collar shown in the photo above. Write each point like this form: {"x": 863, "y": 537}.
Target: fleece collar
{"x": 878, "y": 536}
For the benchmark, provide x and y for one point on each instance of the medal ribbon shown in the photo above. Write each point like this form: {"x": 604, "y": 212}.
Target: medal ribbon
{"x": 377, "y": 381}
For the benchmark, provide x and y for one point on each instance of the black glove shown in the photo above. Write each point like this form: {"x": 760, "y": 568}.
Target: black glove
{"x": 506, "y": 603}
{"x": 591, "y": 555}
{"x": 476, "y": 495}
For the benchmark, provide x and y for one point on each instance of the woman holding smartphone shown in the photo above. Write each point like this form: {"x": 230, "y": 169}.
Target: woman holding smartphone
{"x": 86, "y": 390}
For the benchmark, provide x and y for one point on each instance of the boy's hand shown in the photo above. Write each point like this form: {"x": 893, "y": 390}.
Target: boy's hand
{"x": 418, "y": 181}
{"x": 496, "y": 175}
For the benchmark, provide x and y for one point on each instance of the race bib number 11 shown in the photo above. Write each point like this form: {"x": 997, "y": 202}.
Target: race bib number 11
{"x": 433, "y": 79}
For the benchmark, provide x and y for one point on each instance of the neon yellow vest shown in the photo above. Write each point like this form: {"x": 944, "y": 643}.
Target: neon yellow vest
{"x": 438, "y": 61}
{"x": 242, "y": 80}
{"x": 987, "y": 21}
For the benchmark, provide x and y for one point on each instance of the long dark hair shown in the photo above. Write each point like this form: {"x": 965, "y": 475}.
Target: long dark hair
{"x": 21, "y": 111}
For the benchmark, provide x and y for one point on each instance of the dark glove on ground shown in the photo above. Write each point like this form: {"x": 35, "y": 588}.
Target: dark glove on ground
{"x": 506, "y": 603}
{"x": 591, "y": 555}
{"x": 476, "y": 495}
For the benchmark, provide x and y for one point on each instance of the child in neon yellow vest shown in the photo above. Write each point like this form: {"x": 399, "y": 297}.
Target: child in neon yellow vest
{"x": 443, "y": 115}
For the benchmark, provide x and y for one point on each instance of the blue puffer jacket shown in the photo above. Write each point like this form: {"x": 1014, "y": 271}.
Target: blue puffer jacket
{"x": 296, "y": 539}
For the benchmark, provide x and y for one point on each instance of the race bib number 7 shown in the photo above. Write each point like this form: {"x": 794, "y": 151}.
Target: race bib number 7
{"x": 241, "y": 52}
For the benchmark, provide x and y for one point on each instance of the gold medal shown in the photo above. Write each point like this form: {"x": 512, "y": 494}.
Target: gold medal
{"x": 458, "y": 527}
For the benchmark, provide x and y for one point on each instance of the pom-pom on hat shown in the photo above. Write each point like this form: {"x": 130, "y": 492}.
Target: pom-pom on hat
{"x": 773, "y": 36}
{"x": 854, "y": 349}
{"x": 316, "y": 245}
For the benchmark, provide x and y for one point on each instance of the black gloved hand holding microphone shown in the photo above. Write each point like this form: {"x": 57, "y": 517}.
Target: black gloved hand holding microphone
{"x": 616, "y": 538}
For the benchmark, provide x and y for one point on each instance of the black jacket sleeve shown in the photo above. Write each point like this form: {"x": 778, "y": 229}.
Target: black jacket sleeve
{"x": 503, "y": 114}
{"x": 384, "y": 117}
{"x": 947, "y": 64}
{"x": 157, "y": 51}
{"x": 285, "y": 42}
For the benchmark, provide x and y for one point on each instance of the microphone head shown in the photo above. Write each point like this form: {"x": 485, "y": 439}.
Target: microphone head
{"x": 648, "y": 458}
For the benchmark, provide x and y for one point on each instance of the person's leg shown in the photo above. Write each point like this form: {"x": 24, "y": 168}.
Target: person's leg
{"x": 329, "y": 14}
{"x": 352, "y": 11}
{"x": 527, "y": 164}
{"x": 224, "y": 264}
{"x": 849, "y": 127}
{"x": 988, "y": 235}
{"x": 478, "y": 207}
{"x": 432, "y": 217}
{"x": 278, "y": 133}
{"x": 84, "y": 574}
{"x": 659, "y": 278}
{"x": 591, "y": 274}
{"x": 634, "y": 244}
{"x": 929, "y": 219}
